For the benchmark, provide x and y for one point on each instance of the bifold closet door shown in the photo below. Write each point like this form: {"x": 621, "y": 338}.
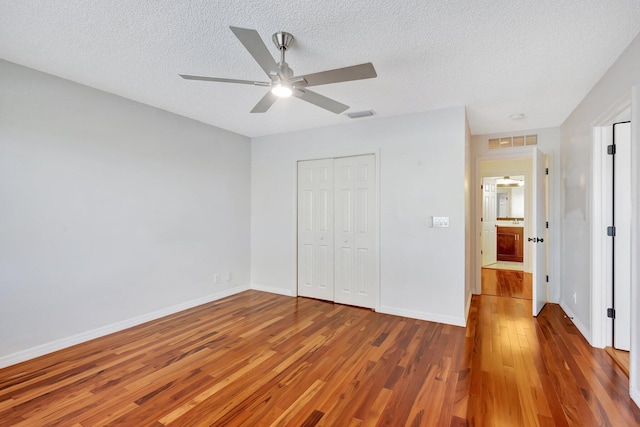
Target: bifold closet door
{"x": 337, "y": 230}
{"x": 355, "y": 254}
{"x": 315, "y": 229}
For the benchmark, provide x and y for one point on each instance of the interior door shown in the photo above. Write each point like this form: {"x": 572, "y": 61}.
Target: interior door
{"x": 315, "y": 229}
{"x": 489, "y": 221}
{"x": 356, "y": 267}
{"x": 538, "y": 239}
{"x": 622, "y": 240}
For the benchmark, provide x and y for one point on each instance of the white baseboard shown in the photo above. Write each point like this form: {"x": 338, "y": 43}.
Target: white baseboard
{"x": 467, "y": 308}
{"x": 421, "y": 315}
{"x": 586, "y": 333}
{"x": 274, "y": 290}
{"x": 50, "y": 347}
{"x": 635, "y": 396}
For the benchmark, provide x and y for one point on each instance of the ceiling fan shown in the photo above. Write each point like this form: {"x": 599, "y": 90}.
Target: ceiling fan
{"x": 281, "y": 79}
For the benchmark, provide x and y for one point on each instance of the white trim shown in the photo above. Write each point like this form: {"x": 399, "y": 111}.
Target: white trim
{"x": 50, "y": 347}
{"x": 421, "y": 315}
{"x": 467, "y": 308}
{"x": 634, "y": 355}
{"x": 274, "y": 290}
{"x": 635, "y": 395}
{"x": 581, "y": 327}
{"x": 599, "y": 221}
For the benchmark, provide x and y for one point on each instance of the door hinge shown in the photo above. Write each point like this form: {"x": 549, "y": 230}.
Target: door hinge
{"x": 611, "y": 231}
{"x": 611, "y": 149}
{"x": 481, "y": 252}
{"x": 481, "y": 219}
{"x": 481, "y": 187}
{"x": 546, "y": 224}
{"x": 611, "y": 313}
{"x": 547, "y": 278}
{"x": 546, "y": 171}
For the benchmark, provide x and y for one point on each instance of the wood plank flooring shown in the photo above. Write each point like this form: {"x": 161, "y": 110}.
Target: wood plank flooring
{"x": 621, "y": 357}
{"x": 506, "y": 283}
{"x": 257, "y": 359}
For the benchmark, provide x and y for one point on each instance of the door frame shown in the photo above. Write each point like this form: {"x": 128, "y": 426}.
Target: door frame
{"x": 601, "y": 335}
{"x": 377, "y": 156}
{"x": 505, "y": 155}
{"x": 634, "y": 375}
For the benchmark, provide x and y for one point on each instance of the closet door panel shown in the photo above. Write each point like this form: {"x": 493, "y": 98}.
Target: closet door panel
{"x": 315, "y": 229}
{"x": 356, "y": 267}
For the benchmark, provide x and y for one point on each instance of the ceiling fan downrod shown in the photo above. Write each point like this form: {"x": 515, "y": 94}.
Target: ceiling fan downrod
{"x": 282, "y": 40}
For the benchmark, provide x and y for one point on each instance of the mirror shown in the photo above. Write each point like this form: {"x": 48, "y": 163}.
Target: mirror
{"x": 510, "y": 197}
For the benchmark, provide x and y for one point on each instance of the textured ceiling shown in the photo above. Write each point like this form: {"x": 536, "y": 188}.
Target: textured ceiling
{"x": 495, "y": 57}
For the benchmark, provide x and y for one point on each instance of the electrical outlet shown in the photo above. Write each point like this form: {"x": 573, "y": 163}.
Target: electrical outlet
{"x": 216, "y": 278}
{"x": 575, "y": 297}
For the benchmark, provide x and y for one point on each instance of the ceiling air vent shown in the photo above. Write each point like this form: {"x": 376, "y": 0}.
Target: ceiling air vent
{"x": 360, "y": 114}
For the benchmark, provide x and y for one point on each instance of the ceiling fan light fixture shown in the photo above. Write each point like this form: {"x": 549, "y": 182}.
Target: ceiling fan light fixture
{"x": 282, "y": 91}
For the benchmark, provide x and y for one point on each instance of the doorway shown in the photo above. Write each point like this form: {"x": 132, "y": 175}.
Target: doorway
{"x": 612, "y": 240}
{"x": 503, "y": 220}
{"x": 530, "y": 230}
{"x": 338, "y": 230}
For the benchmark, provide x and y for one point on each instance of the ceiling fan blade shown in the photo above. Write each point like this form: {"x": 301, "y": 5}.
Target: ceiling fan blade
{"x": 265, "y": 103}
{"x": 223, "y": 80}
{"x": 320, "y": 100}
{"x": 256, "y": 47}
{"x": 355, "y": 72}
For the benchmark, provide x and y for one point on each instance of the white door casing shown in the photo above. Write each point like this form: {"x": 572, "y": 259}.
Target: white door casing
{"x": 538, "y": 238}
{"x": 489, "y": 207}
{"x": 355, "y": 231}
{"x": 315, "y": 229}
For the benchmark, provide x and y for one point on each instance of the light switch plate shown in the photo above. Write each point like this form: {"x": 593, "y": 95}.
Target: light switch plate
{"x": 441, "y": 221}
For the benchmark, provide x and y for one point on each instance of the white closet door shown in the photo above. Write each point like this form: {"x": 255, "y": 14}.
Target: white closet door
{"x": 315, "y": 229}
{"x": 356, "y": 266}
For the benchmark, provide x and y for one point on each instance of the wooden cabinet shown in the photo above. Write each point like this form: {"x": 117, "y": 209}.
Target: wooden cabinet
{"x": 509, "y": 244}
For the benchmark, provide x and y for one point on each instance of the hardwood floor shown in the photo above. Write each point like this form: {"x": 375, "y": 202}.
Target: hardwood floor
{"x": 257, "y": 359}
{"x": 621, "y": 357}
{"x": 506, "y": 283}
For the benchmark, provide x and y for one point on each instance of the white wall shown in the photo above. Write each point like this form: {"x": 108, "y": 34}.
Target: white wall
{"x": 468, "y": 241}
{"x": 112, "y": 212}
{"x": 548, "y": 143}
{"x": 610, "y": 96}
{"x": 422, "y": 173}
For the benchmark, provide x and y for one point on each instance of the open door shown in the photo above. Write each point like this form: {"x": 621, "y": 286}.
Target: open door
{"x": 489, "y": 206}
{"x": 621, "y": 247}
{"x": 538, "y": 238}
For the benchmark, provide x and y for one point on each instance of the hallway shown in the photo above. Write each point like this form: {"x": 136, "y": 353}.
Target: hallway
{"x": 506, "y": 283}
